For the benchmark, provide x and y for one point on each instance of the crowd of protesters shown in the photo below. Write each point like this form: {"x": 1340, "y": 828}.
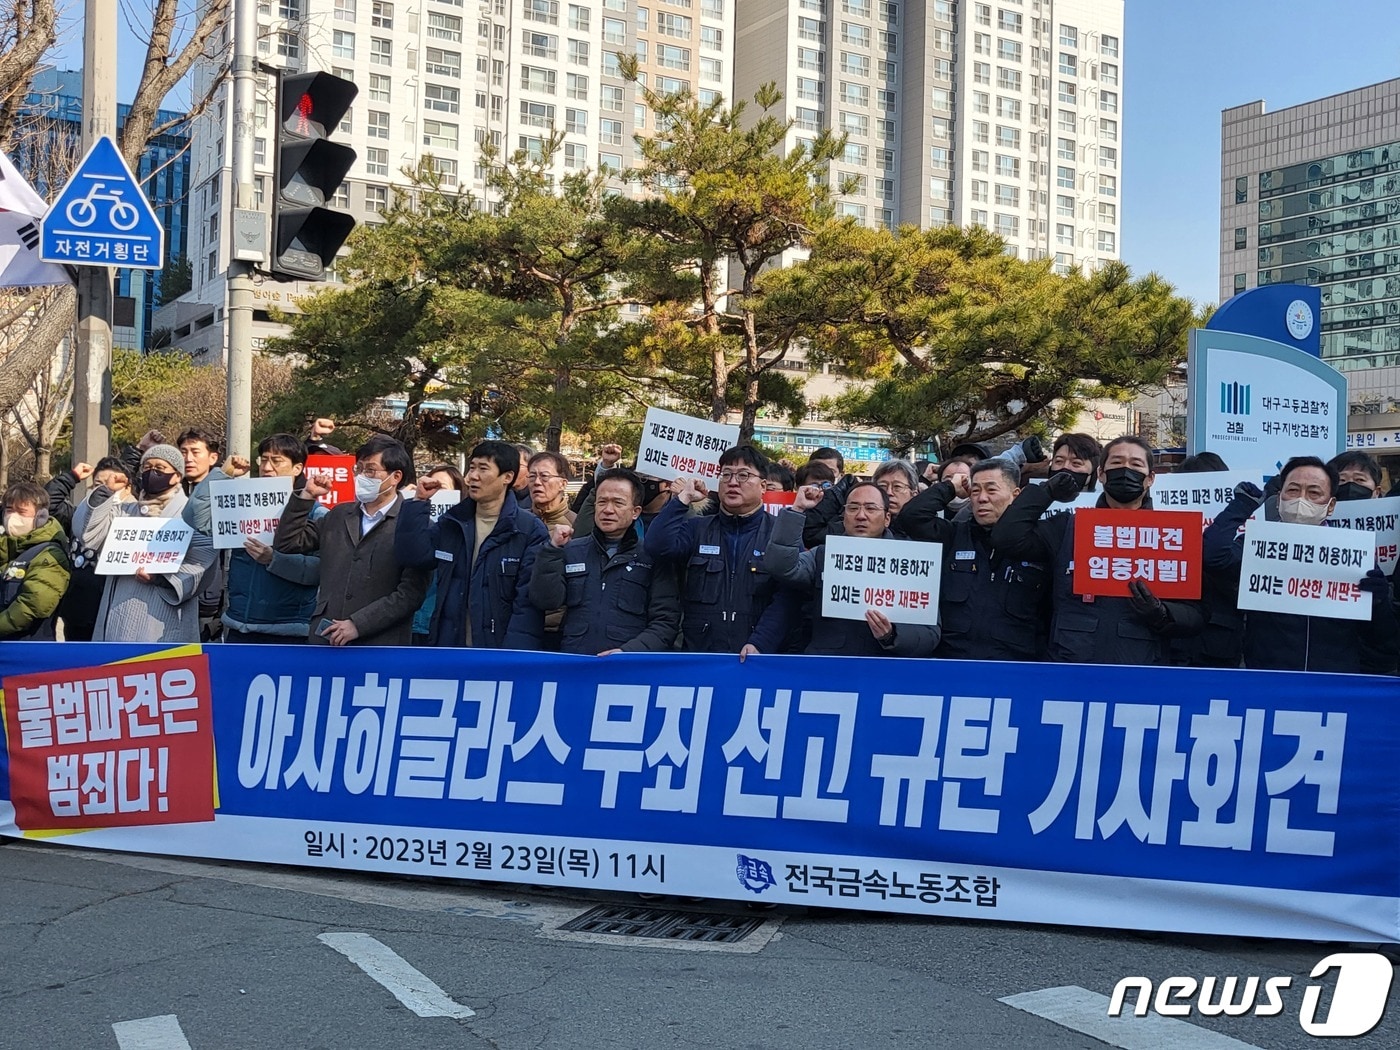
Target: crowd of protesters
{"x": 634, "y": 564}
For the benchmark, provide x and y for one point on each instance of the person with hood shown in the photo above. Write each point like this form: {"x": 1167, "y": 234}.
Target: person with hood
{"x": 33, "y": 565}
{"x": 150, "y": 607}
{"x": 484, "y": 549}
{"x": 1277, "y": 641}
{"x": 866, "y": 514}
{"x": 615, "y": 599}
{"x": 1095, "y": 629}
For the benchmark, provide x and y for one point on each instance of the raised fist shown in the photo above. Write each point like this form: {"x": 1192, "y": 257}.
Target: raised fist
{"x": 808, "y": 496}
{"x": 1062, "y": 486}
{"x": 82, "y": 471}
{"x": 692, "y": 490}
{"x": 609, "y": 456}
{"x": 315, "y": 487}
{"x": 149, "y": 438}
{"x": 237, "y": 466}
{"x": 559, "y": 535}
{"x": 428, "y": 487}
{"x": 322, "y": 427}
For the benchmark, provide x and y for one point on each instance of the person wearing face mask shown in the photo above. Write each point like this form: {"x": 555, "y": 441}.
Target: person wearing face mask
{"x": 366, "y": 596}
{"x": 34, "y": 565}
{"x": 1358, "y": 476}
{"x": 1307, "y": 489}
{"x": 866, "y": 514}
{"x": 1088, "y": 628}
{"x": 992, "y": 607}
{"x": 1220, "y": 643}
{"x": 146, "y": 607}
{"x": 78, "y": 609}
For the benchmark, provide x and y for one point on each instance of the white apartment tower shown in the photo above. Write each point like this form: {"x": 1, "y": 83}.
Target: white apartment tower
{"x": 1005, "y": 114}
{"x": 436, "y": 78}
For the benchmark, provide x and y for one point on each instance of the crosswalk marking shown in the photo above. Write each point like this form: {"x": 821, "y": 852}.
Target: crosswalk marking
{"x": 1084, "y": 1011}
{"x": 151, "y": 1033}
{"x": 408, "y": 985}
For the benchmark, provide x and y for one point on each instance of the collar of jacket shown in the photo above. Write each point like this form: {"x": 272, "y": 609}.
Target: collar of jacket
{"x": 740, "y": 522}
{"x": 465, "y": 513}
{"x": 1102, "y": 503}
{"x": 626, "y": 543}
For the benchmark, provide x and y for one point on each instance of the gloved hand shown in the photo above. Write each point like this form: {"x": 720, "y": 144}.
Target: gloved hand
{"x": 1251, "y": 490}
{"x": 1148, "y": 606}
{"x": 1033, "y": 449}
{"x": 1274, "y": 487}
{"x": 1062, "y": 487}
{"x": 1374, "y": 582}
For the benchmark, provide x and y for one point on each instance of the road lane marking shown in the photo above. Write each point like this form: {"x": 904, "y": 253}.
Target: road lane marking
{"x": 409, "y": 986}
{"x": 151, "y": 1033}
{"x": 1087, "y": 1012}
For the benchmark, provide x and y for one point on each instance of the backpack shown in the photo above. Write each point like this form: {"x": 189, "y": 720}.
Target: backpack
{"x": 11, "y": 586}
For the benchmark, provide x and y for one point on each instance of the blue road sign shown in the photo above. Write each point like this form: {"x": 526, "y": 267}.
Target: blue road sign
{"x": 102, "y": 218}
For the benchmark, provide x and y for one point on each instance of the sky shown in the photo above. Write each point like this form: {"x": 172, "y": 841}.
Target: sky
{"x": 1186, "y": 60}
{"x": 1183, "y": 62}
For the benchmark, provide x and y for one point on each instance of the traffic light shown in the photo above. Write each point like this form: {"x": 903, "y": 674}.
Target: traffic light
{"x": 306, "y": 233}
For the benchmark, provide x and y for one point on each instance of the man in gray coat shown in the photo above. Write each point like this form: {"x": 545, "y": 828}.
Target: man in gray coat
{"x": 366, "y": 596}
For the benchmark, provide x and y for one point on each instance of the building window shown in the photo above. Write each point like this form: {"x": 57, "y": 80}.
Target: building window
{"x": 1108, "y": 213}
{"x": 382, "y": 15}
{"x": 576, "y": 87}
{"x": 536, "y": 114}
{"x": 1108, "y": 73}
{"x": 576, "y": 121}
{"x": 981, "y": 160}
{"x": 1064, "y": 149}
{"x": 1239, "y": 283}
{"x": 981, "y": 72}
{"x": 711, "y": 39}
{"x": 1069, "y": 65}
{"x": 445, "y": 27}
{"x": 1107, "y": 241}
{"x": 1241, "y": 238}
{"x": 610, "y": 132}
{"x": 1069, "y": 95}
{"x": 980, "y": 190}
{"x": 288, "y": 45}
{"x": 442, "y": 63}
{"x": 1009, "y": 21}
{"x": 1008, "y": 138}
{"x": 376, "y": 198}
{"x": 441, "y": 98}
{"x": 342, "y": 44}
{"x": 1069, "y": 36}
{"x": 546, "y": 11}
{"x": 539, "y": 45}
{"x": 1006, "y": 225}
{"x": 982, "y": 43}
{"x": 1108, "y": 101}
{"x": 1108, "y": 185}
{"x": 1064, "y": 178}
{"x": 438, "y": 134}
{"x": 1008, "y": 50}
{"x": 345, "y": 10}
{"x": 1064, "y": 233}
{"x": 376, "y": 161}
{"x": 377, "y": 125}
{"x": 579, "y": 18}
{"x": 1008, "y": 167}
{"x": 1064, "y": 206}
{"x": 1008, "y": 79}
{"x": 981, "y": 131}
{"x": 1008, "y": 108}
{"x": 1108, "y": 129}
{"x": 671, "y": 57}
{"x": 809, "y": 90}
{"x": 537, "y": 78}
{"x": 857, "y": 35}
{"x": 812, "y": 29}
{"x": 381, "y": 51}
{"x": 578, "y": 52}
{"x": 1008, "y": 196}
{"x": 855, "y": 65}
{"x": 1108, "y": 46}
{"x": 1066, "y": 121}
{"x": 673, "y": 25}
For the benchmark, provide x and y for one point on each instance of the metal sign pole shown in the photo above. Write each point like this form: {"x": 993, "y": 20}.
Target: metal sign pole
{"x": 92, "y": 372}
{"x": 240, "y": 267}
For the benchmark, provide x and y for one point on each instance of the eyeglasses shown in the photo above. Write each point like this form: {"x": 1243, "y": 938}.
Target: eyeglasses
{"x": 371, "y": 472}
{"x": 544, "y": 477}
{"x": 893, "y": 486}
{"x": 743, "y": 477}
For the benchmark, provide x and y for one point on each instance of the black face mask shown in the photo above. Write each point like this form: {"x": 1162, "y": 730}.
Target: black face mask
{"x": 154, "y": 483}
{"x": 1081, "y": 477}
{"x": 1124, "y": 484}
{"x": 1349, "y": 490}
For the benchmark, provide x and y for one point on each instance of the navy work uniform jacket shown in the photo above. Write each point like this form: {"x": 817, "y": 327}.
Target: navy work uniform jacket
{"x": 495, "y": 591}
{"x": 728, "y": 597}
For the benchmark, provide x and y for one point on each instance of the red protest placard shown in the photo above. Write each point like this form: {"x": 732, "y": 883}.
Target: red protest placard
{"x": 773, "y": 502}
{"x": 336, "y": 471}
{"x": 111, "y": 746}
{"x": 1160, "y": 547}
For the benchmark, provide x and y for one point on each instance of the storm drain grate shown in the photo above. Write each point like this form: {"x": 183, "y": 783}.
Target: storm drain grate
{"x": 663, "y": 924}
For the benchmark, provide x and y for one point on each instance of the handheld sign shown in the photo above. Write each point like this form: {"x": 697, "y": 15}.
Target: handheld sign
{"x": 1082, "y": 501}
{"x": 1208, "y": 491}
{"x": 1161, "y": 548}
{"x": 676, "y": 446}
{"x": 157, "y": 545}
{"x": 247, "y": 509}
{"x": 336, "y": 471}
{"x": 1306, "y": 569}
{"x": 899, "y": 578}
{"x": 1380, "y": 517}
{"x": 442, "y": 501}
{"x": 774, "y": 502}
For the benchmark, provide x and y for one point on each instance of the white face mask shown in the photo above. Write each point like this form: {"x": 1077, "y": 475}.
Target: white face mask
{"x": 19, "y": 525}
{"x": 367, "y": 489}
{"x": 1302, "y": 511}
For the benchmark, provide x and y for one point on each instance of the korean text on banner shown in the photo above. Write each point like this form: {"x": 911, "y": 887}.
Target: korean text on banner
{"x": 1162, "y": 548}
{"x": 1306, "y": 569}
{"x": 157, "y": 545}
{"x": 442, "y": 501}
{"x": 112, "y": 745}
{"x": 1082, "y": 501}
{"x": 899, "y": 578}
{"x": 1207, "y": 492}
{"x": 247, "y": 509}
{"x": 1378, "y": 516}
{"x": 676, "y": 446}
{"x": 336, "y": 471}
{"x": 774, "y": 502}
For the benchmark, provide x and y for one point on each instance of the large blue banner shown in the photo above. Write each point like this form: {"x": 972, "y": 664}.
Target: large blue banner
{"x": 1261, "y": 803}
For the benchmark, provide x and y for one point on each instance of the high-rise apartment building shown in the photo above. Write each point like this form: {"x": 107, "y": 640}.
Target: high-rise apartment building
{"x": 437, "y": 79}
{"x": 1005, "y": 114}
{"x": 1310, "y": 194}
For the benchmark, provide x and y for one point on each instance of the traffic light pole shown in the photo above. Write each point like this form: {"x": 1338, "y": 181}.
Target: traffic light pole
{"x": 239, "y": 438}
{"x": 92, "y": 352}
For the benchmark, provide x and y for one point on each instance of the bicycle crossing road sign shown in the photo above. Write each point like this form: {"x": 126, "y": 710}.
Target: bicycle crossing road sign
{"x": 102, "y": 218}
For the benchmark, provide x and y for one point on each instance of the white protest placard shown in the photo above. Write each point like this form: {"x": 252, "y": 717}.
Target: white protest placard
{"x": 157, "y": 545}
{"x": 1084, "y": 499}
{"x": 442, "y": 501}
{"x": 247, "y": 509}
{"x": 1207, "y": 491}
{"x": 676, "y": 446}
{"x": 899, "y": 578}
{"x": 1306, "y": 569}
{"x": 1381, "y": 517}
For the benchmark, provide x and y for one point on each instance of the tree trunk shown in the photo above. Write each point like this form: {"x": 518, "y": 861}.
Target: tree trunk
{"x": 555, "y": 431}
{"x": 719, "y": 361}
{"x": 43, "y": 464}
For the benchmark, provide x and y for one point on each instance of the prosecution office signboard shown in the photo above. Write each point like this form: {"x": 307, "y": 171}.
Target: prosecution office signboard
{"x": 1256, "y": 401}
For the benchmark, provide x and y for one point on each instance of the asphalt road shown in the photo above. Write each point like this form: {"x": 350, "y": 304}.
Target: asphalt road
{"x": 145, "y": 953}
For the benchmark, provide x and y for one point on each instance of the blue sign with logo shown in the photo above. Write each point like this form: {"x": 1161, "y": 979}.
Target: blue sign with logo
{"x": 102, "y": 218}
{"x": 1290, "y": 314}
